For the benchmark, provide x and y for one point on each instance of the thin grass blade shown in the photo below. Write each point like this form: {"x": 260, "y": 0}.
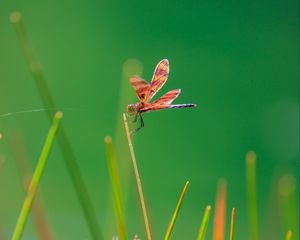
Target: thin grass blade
{"x": 288, "y": 203}
{"x": 38, "y": 211}
{"x": 204, "y": 223}
{"x": 176, "y": 212}
{"x": 126, "y": 95}
{"x": 35, "y": 181}
{"x": 114, "y": 177}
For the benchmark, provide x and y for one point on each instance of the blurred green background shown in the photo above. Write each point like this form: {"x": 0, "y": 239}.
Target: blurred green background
{"x": 238, "y": 60}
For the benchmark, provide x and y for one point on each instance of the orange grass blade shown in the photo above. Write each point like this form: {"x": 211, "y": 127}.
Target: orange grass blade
{"x": 232, "y": 224}
{"x": 176, "y": 212}
{"x": 204, "y": 223}
{"x": 114, "y": 177}
{"x": 138, "y": 179}
{"x": 220, "y": 212}
{"x": 251, "y": 191}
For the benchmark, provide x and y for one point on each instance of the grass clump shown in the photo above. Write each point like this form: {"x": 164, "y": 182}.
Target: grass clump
{"x": 63, "y": 141}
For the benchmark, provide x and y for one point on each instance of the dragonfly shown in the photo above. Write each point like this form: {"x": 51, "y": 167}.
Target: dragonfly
{"x": 145, "y": 92}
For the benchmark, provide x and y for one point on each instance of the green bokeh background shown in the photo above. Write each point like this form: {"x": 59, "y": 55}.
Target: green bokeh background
{"x": 238, "y": 60}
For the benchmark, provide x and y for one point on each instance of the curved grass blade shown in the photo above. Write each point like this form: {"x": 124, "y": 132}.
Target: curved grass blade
{"x": 35, "y": 181}
{"x": 114, "y": 176}
{"x": 63, "y": 142}
{"x": 177, "y": 209}
{"x": 204, "y": 223}
{"x": 138, "y": 179}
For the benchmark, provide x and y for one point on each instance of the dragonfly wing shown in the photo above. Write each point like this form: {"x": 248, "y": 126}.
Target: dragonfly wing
{"x": 168, "y": 98}
{"x": 159, "y": 78}
{"x": 141, "y": 87}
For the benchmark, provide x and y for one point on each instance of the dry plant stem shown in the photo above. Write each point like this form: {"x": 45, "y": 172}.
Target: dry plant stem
{"x": 114, "y": 176}
{"x": 232, "y": 224}
{"x": 38, "y": 212}
{"x": 204, "y": 223}
{"x": 220, "y": 212}
{"x": 251, "y": 192}
{"x": 138, "y": 180}
{"x": 288, "y": 235}
{"x": 64, "y": 144}
{"x": 36, "y": 178}
{"x": 177, "y": 209}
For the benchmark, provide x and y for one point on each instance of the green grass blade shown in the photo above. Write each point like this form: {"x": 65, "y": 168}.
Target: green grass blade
{"x": 204, "y": 223}
{"x": 36, "y": 178}
{"x": 288, "y": 235}
{"x": 126, "y": 95}
{"x": 251, "y": 191}
{"x": 288, "y": 203}
{"x": 114, "y": 176}
{"x": 38, "y": 211}
{"x": 176, "y": 212}
{"x": 63, "y": 142}
{"x": 232, "y": 224}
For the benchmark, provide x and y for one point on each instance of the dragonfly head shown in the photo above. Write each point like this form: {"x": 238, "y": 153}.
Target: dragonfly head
{"x": 131, "y": 108}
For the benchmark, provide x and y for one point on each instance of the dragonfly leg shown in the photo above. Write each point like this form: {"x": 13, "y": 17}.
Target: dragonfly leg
{"x": 141, "y": 122}
{"x": 135, "y": 117}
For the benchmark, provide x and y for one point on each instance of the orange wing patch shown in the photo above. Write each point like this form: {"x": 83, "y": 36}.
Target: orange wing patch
{"x": 141, "y": 87}
{"x": 168, "y": 98}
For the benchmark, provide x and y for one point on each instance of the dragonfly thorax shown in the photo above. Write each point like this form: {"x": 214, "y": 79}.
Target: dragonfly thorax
{"x": 131, "y": 108}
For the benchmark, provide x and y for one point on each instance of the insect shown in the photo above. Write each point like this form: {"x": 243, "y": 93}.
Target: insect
{"x": 145, "y": 92}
